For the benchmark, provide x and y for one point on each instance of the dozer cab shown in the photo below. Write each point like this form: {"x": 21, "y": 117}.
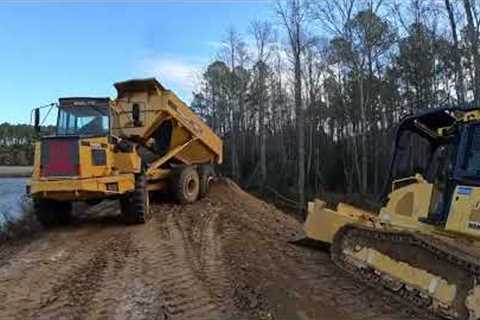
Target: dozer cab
{"x": 145, "y": 140}
{"x": 423, "y": 246}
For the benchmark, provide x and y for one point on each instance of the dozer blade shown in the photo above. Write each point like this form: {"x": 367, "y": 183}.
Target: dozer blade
{"x": 302, "y": 240}
{"x": 298, "y": 238}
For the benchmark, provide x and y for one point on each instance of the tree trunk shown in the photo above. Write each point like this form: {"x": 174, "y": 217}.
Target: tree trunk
{"x": 263, "y": 142}
{"x": 473, "y": 38}
{"x": 459, "y": 83}
{"x": 300, "y": 119}
{"x": 363, "y": 132}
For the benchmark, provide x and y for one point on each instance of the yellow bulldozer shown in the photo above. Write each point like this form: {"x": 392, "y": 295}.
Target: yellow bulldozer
{"x": 145, "y": 140}
{"x": 423, "y": 246}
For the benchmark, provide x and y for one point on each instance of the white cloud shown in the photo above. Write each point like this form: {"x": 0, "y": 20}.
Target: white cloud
{"x": 214, "y": 44}
{"x": 181, "y": 75}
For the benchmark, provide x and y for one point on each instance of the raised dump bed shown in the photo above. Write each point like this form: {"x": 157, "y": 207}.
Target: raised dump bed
{"x": 170, "y": 133}
{"x": 164, "y": 120}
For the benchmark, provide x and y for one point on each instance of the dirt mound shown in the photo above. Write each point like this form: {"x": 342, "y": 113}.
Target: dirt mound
{"x": 224, "y": 257}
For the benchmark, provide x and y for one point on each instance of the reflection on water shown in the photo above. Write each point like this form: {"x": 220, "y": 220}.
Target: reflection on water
{"x": 12, "y": 191}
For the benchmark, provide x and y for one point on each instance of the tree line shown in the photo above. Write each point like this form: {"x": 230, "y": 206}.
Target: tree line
{"x": 17, "y": 143}
{"x": 307, "y": 102}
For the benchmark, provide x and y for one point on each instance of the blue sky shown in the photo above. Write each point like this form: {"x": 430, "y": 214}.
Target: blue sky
{"x": 50, "y": 50}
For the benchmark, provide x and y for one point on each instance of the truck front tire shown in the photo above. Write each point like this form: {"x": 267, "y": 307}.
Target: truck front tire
{"x": 51, "y": 212}
{"x": 135, "y": 206}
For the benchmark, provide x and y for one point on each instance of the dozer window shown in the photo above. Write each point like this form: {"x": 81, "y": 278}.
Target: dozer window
{"x": 470, "y": 164}
{"x": 413, "y": 155}
{"x": 83, "y": 121}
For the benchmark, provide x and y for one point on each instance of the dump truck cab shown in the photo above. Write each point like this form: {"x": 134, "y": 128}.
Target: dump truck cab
{"x": 84, "y": 117}
{"x": 78, "y": 162}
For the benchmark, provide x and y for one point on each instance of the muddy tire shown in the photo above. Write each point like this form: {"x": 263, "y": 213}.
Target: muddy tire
{"x": 186, "y": 185}
{"x": 52, "y": 213}
{"x": 135, "y": 206}
{"x": 207, "y": 176}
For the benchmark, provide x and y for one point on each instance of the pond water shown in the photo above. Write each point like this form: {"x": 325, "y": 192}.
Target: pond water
{"x": 12, "y": 198}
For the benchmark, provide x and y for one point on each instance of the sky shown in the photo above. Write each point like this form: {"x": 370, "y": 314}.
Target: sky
{"x": 56, "y": 49}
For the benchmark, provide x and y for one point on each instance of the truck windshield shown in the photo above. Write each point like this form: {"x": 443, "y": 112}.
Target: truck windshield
{"x": 83, "y": 121}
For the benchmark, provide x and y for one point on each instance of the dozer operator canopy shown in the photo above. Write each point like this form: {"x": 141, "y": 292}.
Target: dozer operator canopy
{"x": 444, "y": 147}
{"x": 430, "y": 142}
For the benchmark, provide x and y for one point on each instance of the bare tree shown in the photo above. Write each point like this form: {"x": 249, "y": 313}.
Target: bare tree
{"x": 459, "y": 83}
{"x": 361, "y": 37}
{"x": 232, "y": 45}
{"x": 473, "y": 34}
{"x": 264, "y": 36}
{"x": 348, "y": 91}
{"x": 293, "y": 15}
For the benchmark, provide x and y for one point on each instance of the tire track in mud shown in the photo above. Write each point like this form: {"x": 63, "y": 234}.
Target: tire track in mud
{"x": 161, "y": 281}
{"x": 72, "y": 296}
{"x": 204, "y": 251}
{"x": 192, "y": 291}
{"x": 113, "y": 271}
{"x": 57, "y": 272}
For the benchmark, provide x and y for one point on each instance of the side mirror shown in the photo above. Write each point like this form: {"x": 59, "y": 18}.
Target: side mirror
{"x": 36, "y": 116}
{"x": 136, "y": 115}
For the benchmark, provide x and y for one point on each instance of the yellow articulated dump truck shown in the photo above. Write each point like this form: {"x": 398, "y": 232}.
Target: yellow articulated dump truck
{"x": 146, "y": 139}
{"x": 423, "y": 246}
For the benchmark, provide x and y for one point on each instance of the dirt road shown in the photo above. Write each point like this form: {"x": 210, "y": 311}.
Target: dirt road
{"x": 225, "y": 257}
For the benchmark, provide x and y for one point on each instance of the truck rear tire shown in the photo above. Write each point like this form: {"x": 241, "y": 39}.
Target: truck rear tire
{"x": 135, "y": 206}
{"x": 187, "y": 185}
{"x": 51, "y": 212}
{"x": 207, "y": 176}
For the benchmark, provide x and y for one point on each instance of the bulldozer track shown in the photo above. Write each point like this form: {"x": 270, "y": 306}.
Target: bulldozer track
{"x": 432, "y": 255}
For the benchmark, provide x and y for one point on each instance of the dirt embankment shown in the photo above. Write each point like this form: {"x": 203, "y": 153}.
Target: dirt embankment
{"x": 225, "y": 257}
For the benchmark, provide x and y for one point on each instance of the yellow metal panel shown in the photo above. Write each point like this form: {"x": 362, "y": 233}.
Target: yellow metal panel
{"x": 87, "y": 169}
{"x": 471, "y": 116}
{"x": 37, "y": 161}
{"x": 464, "y": 211}
{"x": 434, "y": 285}
{"x": 170, "y": 154}
{"x": 78, "y": 189}
{"x": 407, "y": 204}
{"x": 126, "y": 162}
{"x": 156, "y": 174}
{"x": 472, "y": 302}
{"x": 322, "y": 224}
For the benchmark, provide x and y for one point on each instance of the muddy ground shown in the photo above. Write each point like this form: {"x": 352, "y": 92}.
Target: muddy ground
{"x": 224, "y": 257}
